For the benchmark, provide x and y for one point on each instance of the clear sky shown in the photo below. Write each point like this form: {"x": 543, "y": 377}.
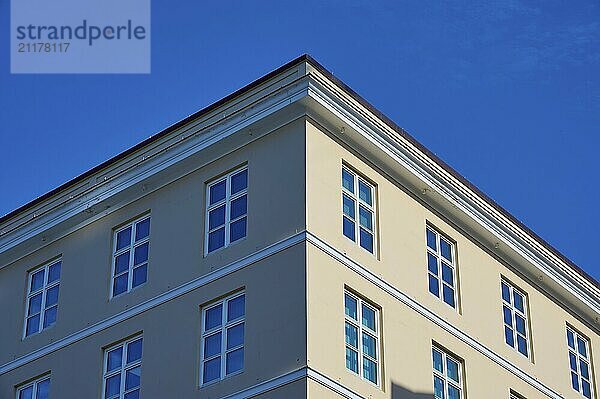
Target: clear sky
{"x": 507, "y": 92}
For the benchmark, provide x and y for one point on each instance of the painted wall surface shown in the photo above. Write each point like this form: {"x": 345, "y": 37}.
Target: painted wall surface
{"x": 401, "y": 261}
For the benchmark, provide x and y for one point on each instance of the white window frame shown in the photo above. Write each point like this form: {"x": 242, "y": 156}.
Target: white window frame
{"x": 452, "y": 263}
{"x": 587, "y": 359}
{"x": 444, "y": 376}
{"x": 358, "y": 202}
{"x": 34, "y": 384}
{"x": 122, "y": 371}
{"x": 43, "y": 291}
{"x": 222, "y": 329}
{"x": 363, "y": 330}
{"x": 513, "y": 309}
{"x": 131, "y": 248}
{"x": 229, "y": 198}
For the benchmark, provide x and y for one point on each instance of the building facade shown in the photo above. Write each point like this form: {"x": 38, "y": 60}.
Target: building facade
{"x": 289, "y": 241}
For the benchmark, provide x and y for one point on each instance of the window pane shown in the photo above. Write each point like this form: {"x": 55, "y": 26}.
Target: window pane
{"x": 212, "y": 345}
{"x": 585, "y": 387}
{"x": 368, "y": 317}
{"x": 239, "y": 181}
{"x": 113, "y": 385}
{"x": 216, "y": 217}
{"x": 520, "y": 324}
{"x": 142, "y": 229}
{"x": 132, "y": 395}
{"x": 213, "y": 317}
{"x": 140, "y": 274}
{"x": 212, "y": 370}
{"x": 508, "y": 336}
{"x": 140, "y": 254}
{"x": 237, "y": 229}
{"x": 447, "y": 274}
{"x": 33, "y": 325}
{"x": 519, "y": 301}
{"x": 434, "y": 287}
{"x": 452, "y": 370}
{"x": 438, "y": 388}
{"x": 366, "y": 218}
{"x": 570, "y": 339}
{"x": 352, "y": 360}
{"x": 124, "y": 238}
{"x": 448, "y": 295}
{"x": 122, "y": 263}
{"x": 114, "y": 359}
{"x": 366, "y": 240}
{"x": 431, "y": 240}
{"x": 575, "y": 381}
{"x": 132, "y": 378}
{"x": 43, "y": 389}
{"x": 505, "y": 292}
{"x": 238, "y": 207}
{"x": 453, "y": 392}
{"x": 54, "y": 272}
{"x": 445, "y": 249}
{"x": 236, "y": 308}
{"x": 35, "y": 304}
{"x": 351, "y": 335}
{"x": 349, "y": 229}
{"x": 50, "y": 316}
{"x": 432, "y": 264}
{"x": 235, "y": 336}
{"x": 52, "y": 296}
{"x": 37, "y": 280}
{"x": 26, "y": 393}
{"x": 507, "y": 315}
{"x": 348, "y": 206}
{"x": 437, "y": 361}
{"x": 522, "y": 345}
{"x": 581, "y": 347}
{"x": 134, "y": 351}
{"x": 347, "y": 180}
{"x": 584, "y": 369}
{"x": 120, "y": 284}
{"x": 350, "y": 306}
{"x": 235, "y": 361}
{"x": 370, "y": 370}
{"x": 369, "y": 346}
{"x": 573, "y": 361}
{"x": 364, "y": 192}
{"x": 216, "y": 239}
{"x": 217, "y": 192}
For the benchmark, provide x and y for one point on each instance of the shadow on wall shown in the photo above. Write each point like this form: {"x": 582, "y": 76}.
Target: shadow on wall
{"x": 399, "y": 392}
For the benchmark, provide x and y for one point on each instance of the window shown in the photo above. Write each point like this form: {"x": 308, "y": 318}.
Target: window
{"x": 362, "y": 338}
{"x": 223, "y": 338}
{"x": 441, "y": 263}
{"x": 38, "y": 389}
{"x": 358, "y": 219}
{"x": 514, "y": 395}
{"x": 226, "y": 210}
{"x": 123, "y": 369}
{"x": 514, "y": 310}
{"x": 130, "y": 256}
{"x": 42, "y": 298}
{"x": 579, "y": 362}
{"x": 447, "y": 375}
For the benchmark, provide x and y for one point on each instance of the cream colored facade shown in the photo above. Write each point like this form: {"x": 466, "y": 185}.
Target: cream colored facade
{"x": 294, "y": 129}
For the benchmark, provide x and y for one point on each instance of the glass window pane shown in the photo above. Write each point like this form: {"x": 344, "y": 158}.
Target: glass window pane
{"x": 581, "y": 347}
{"x": 453, "y": 392}
{"x": 132, "y": 395}
{"x": 50, "y": 316}
{"x": 35, "y": 304}
{"x": 366, "y": 240}
{"x": 505, "y": 292}
{"x": 432, "y": 264}
{"x": 132, "y": 378}
{"x": 122, "y": 263}
{"x": 584, "y": 369}
{"x": 216, "y": 239}
{"x": 114, "y": 359}
{"x": 43, "y": 389}
{"x": 235, "y": 336}
{"x": 234, "y": 361}
{"x": 366, "y": 218}
{"x": 351, "y": 360}
{"x": 33, "y": 325}
{"x": 237, "y": 229}
{"x": 350, "y": 305}
{"x": 134, "y": 351}
{"x": 347, "y": 180}
{"x": 217, "y": 192}
{"x": 236, "y": 307}
{"x": 120, "y": 285}
{"x": 370, "y": 370}
{"x": 508, "y": 336}
{"x": 518, "y": 301}
{"x": 507, "y": 315}
{"x": 212, "y": 370}
{"x": 570, "y": 339}
{"x": 216, "y": 217}
{"x": 431, "y": 239}
{"x": 212, "y": 345}
{"x": 140, "y": 275}
{"x": 438, "y": 388}
{"x": 585, "y": 387}
{"x": 434, "y": 286}
{"x": 365, "y": 192}
{"x": 447, "y": 274}
{"x": 437, "y": 361}
{"x": 369, "y": 346}
{"x": 349, "y": 229}
{"x": 54, "y": 272}
{"x": 51, "y": 296}
{"x": 351, "y": 335}
{"x": 37, "y": 280}
{"x": 124, "y": 238}
{"x": 575, "y": 381}
{"x": 573, "y": 361}
{"x": 448, "y": 295}
{"x": 142, "y": 229}
{"x": 238, "y": 207}
{"x": 520, "y": 324}
{"x": 213, "y": 317}
{"x": 522, "y": 345}
{"x": 348, "y": 206}
{"x": 140, "y": 254}
{"x": 368, "y": 317}
{"x": 26, "y": 393}
{"x": 113, "y": 385}
{"x": 239, "y": 181}
{"x": 452, "y": 370}
{"x": 446, "y": 249}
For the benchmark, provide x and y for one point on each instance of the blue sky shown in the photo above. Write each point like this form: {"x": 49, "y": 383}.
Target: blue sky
{"x": 507, "y": 92}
